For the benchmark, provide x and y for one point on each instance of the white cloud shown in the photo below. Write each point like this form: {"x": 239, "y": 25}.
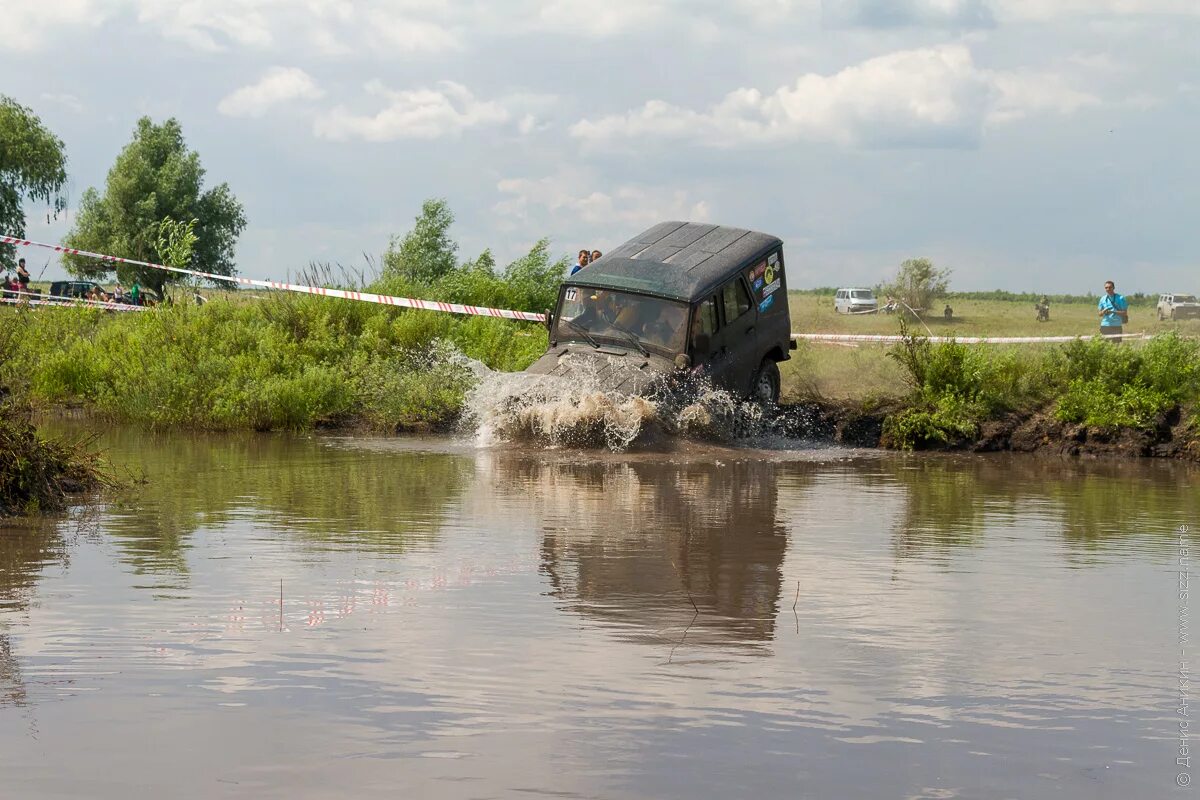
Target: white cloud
{"x": 904, "y": 13}
{"x": 590, "y": 19}
{"x": 926, "y": 97}
{"x": 1025, "y": 93}
{"x": 380, "y": 28}
{"x": 391, "y": 33}
{"x": 1049, "y": 9}
{"x": 207, "y": 24}
{"x": 32, "y": 24}
{"x": 278, "y": 85}
{"x": 536, "y": 202}
{"x": 413, "y": 114}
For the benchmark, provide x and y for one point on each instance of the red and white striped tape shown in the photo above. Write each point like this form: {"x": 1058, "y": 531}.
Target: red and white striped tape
{"x": 867, "y": 337}
{"x": 345, "y": 294}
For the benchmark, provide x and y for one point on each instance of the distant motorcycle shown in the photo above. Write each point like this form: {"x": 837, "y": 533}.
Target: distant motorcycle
{"x": 1043, "y": 312}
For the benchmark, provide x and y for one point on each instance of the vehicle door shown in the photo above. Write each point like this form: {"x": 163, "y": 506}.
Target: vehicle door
{"x": 735, "y": 342}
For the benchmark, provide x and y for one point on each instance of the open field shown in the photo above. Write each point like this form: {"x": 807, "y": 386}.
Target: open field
{"x": 863, "y": 371}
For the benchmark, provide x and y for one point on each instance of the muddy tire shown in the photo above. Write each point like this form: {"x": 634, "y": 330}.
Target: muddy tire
{"x": 765, "y": 388}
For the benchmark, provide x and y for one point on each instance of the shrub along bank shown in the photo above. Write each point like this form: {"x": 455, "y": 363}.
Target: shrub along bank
{"x": 1086, "y": 396}
{"x": 283, "y": 362}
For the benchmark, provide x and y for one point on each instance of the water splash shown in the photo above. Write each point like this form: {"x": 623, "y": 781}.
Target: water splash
{"x": 580, "y": 411}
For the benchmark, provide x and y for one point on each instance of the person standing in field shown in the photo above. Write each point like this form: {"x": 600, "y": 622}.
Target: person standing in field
{"x": 1114, "y": 313}
{"x": 22, "y": 275}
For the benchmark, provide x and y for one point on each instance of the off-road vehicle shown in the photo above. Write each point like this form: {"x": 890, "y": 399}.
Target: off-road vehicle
{"x": 681, "y": 299}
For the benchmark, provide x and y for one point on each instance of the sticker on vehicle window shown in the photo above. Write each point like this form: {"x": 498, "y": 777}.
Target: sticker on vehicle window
{"x": 757, "y": 271}
{"x": 572, "y": 293}
{"x": 773, "y": 259}
{"x": 765, "y": 304}
{"x": 758, "y": 284}
{"x": 770, "y": 288}
{"x": 769, "y": 274}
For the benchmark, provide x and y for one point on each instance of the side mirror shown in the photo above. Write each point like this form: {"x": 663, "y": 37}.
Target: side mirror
{"x": 549, "y": 320}
{"x": 683, "y": 361}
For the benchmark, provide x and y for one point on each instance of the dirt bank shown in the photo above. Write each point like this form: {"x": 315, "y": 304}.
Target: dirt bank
{"x": 1037, "y": 432}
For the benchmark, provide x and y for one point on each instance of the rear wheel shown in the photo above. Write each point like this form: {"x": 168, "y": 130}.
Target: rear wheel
{"x": 766, "y": 383}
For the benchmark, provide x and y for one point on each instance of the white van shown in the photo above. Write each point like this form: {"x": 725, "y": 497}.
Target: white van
{"x": 1178, "y": 306}
{"x": 851, "y": 301}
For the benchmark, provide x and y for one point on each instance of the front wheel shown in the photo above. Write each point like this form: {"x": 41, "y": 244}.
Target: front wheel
{"x": 766, "y": 383}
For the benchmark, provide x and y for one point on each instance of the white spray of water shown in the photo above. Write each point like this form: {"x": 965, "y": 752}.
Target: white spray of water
{"x": 582, "y": 411}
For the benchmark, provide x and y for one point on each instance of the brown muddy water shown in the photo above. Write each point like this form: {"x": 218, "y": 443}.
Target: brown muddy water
{"x": 707, "y": 623}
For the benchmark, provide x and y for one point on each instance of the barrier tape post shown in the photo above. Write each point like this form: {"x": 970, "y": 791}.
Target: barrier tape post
{"x": 345, "y": 294}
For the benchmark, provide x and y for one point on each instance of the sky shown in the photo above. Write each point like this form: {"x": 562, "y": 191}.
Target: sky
{"x": 1028, "y": 145}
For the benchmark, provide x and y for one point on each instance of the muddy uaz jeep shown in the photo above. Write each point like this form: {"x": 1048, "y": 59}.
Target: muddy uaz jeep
{"x": 679, "y": 300}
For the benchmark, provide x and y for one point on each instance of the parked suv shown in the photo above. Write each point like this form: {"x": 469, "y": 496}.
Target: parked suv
{"x": 850, "y": 301}
{"x": 1178, "y": 306}
{"x": 75, "y": 289}
{"x": 681, "y": 298}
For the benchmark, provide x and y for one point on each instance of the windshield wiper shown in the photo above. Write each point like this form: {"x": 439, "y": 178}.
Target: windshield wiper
{"x": 631, "y": 336}
{"x": 582, "y": 330}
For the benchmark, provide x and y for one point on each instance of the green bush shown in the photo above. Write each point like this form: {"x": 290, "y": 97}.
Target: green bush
{"x": 946, "y": 421}
{"x": 291, "y": 361}
{"x": 955, "y": 387}
{"x": 1125, "y": 387}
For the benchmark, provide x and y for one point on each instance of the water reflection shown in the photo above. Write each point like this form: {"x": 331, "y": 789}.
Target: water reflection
{"x": 318, "y": 495}
{"x": 650, "y": 547}
{"x": 952, "y": 502}
{"x": 492, "y": 623}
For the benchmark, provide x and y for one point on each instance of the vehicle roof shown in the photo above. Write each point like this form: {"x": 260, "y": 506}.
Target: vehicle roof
{"x": 677, "y": 260}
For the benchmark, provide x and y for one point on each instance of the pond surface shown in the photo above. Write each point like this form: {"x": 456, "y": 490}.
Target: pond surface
{"x": 278, "y": 617}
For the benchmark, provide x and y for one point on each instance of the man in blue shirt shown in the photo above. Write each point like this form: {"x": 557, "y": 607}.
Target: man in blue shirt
{"x": 1114, "y": 312}
{"x": 582, "y": 261}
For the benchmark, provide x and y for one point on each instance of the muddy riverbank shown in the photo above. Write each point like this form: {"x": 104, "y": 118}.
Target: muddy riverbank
{"x": 851, "y": 425}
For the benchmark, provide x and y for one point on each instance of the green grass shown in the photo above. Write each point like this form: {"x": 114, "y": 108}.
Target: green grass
{"x": 863, "y": 371}
{"x": 286, "y": 362}
{"x": 283, "y": 361}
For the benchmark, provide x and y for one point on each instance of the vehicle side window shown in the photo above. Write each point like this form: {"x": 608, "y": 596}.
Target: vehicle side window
{"x": 706, "y": 317}
{"x": 704, "y": 325}
{"x": 735, "y": 300}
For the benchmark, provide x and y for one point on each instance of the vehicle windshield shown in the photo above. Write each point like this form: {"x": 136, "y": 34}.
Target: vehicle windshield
{"x": 863, "y": 294}
{"x": 621, "y": 317}
{"x": 1185, "y": 298}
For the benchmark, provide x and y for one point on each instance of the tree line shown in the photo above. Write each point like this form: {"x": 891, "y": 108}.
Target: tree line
{"x": 153, "y": 207}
